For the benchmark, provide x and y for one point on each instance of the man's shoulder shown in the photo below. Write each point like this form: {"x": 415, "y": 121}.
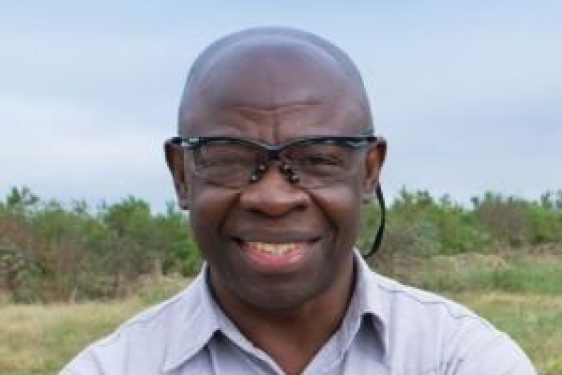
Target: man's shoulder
{"x": 158, "y": 318}
{"x": 422, "y": 303}
{"x": 404, "y": 310}
{"x": 410, "y": 310}
{"x": 430, "y": 326}
{"x": 146, "y": 336}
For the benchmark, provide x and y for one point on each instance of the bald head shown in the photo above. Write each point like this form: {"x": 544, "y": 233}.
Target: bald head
{"x": 273, "y": 70}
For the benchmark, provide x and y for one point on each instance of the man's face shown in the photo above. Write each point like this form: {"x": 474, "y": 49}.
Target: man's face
{"x": 274, "y": 244}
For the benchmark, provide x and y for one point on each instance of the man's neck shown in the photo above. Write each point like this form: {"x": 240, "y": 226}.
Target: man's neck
{"x": 292, "y": 337}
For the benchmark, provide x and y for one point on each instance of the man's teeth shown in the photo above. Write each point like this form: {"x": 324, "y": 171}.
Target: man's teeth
{"x": 273, "y": 248}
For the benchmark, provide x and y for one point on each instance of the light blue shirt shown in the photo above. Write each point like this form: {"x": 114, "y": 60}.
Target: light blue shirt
{"x": 389, "y": 328}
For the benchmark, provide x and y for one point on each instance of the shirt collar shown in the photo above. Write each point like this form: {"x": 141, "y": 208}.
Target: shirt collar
{"x": 200, "y": 316}
{"x": 194, "y": 325}
{"x": 366, "y": 305}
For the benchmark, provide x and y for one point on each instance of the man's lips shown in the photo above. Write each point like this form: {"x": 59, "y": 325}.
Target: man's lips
{"x": 268, "y": 255}
{"x": 273, "y": 248}
{"x": 279, "y": 240}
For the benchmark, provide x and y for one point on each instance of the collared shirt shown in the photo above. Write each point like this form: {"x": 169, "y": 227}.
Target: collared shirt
{"x": 388, "y": 328}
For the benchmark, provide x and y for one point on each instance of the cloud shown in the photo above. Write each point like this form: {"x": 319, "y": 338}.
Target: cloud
{"x": 63, "y": 150}
{"x": 468, "y": 95}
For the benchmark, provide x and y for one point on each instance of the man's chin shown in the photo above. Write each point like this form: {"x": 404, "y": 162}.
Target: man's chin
{"x": 281, "y": 299}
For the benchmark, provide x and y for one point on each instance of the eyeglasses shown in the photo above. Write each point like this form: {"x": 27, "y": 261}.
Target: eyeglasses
{"x": 310, "y": 162}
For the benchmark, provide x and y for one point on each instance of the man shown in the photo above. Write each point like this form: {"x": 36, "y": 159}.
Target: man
{"x": 275, "y": 156}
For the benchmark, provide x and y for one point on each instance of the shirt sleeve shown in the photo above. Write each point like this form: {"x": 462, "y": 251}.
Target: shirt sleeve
{"x": 83, "y": 364}
{"x": 495, "y": 354}
{"x": 103, "y": 357}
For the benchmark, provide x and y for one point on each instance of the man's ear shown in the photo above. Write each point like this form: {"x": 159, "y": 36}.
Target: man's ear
{"x": 373, "y": 165}
{"x": 176, "y": 163}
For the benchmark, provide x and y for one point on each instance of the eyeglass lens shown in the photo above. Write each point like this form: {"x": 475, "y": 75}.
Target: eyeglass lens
{"x": 233, "y": 164}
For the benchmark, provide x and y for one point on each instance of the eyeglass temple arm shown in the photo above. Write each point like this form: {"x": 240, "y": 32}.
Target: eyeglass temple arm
{"x": 378, "y": 238}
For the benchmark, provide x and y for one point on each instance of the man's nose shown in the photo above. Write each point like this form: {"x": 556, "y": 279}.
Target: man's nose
{"x": 274, "y": 194}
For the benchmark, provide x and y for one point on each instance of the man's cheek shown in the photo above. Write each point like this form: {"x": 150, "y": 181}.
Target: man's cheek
{"x": 340, "y": 204}
{"x": 205, "y": 215}
{"x": 211, "y": 202}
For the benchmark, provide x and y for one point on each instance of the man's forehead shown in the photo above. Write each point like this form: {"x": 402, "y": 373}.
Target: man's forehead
{"x": 271, "y": 73}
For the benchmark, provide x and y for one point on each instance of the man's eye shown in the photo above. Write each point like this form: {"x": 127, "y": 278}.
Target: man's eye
{"x": 222, "y": 156}
{"x": 319, "y": 160}
{"x": 224, "y": 162}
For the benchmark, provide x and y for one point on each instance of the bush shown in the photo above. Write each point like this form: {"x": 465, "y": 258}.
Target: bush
{"x": 49, "y": 252}
{"x": 52, "y": 253}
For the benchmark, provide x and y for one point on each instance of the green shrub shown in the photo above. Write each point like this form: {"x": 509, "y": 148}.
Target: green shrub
{"x": 74, "y": 252}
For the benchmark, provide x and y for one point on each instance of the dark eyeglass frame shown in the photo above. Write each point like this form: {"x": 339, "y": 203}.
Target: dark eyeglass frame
{"x": 273, "y": 152}
{"x": 267, "y": 153}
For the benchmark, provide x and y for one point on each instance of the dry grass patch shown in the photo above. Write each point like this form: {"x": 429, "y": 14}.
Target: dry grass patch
{"x": 37, "y": 339}
{"x": 534, "y": 321}
{"x": 40, "y": 339}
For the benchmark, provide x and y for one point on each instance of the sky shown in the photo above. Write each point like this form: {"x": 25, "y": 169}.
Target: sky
{"x": 468, "y": 94}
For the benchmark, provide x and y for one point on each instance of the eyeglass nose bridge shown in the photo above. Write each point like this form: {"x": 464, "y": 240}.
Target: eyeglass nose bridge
{"x": 263, "y": 162}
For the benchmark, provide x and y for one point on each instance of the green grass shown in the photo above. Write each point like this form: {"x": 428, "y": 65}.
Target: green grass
{"x": 39, "y": 339}
{"x": 534, "y": 321}
{"x": 471, "y": 272}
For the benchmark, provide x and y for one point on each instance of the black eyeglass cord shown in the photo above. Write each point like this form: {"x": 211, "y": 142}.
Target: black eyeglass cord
{"x": 378, "y": 238}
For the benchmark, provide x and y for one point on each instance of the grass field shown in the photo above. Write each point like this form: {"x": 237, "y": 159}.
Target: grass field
{"x": 534, "y": 321}
{"x": 37, "y": 339}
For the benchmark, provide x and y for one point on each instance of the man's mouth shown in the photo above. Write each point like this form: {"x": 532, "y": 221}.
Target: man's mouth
{"x": 271, "y": 256}
{"x": 273, "y": 248}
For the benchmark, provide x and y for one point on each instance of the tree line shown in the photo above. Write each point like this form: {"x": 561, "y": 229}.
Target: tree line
{"x": 55, "y": 252}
